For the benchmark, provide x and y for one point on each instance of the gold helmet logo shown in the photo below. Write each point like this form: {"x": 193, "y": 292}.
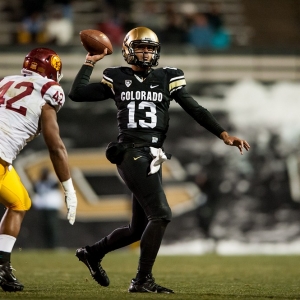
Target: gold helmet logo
{"x": 55, "y": 62}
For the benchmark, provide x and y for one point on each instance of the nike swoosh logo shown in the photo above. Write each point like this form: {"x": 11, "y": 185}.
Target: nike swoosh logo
{"x": 91, "y": 270}
{"x": 135, "y": 158}
{"x": 153, "y": 86}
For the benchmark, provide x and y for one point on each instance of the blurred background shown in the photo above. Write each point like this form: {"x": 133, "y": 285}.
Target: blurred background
{"x": 241, "y": 59}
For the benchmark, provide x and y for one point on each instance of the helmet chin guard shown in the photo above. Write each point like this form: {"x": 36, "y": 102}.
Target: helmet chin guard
{"x": 140, "y": 36}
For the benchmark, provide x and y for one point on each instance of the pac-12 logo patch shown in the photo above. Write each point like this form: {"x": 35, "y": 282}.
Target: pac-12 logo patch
{"x": 128, "y": 83}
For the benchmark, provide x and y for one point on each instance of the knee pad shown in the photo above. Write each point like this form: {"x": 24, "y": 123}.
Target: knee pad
{"x": 157, "y": 207}
{"x": 167, "y": 214}
{"x": 162, "y": 212}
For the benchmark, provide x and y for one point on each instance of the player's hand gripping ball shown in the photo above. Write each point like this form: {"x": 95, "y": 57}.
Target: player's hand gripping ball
{"x": 95, "y": 41}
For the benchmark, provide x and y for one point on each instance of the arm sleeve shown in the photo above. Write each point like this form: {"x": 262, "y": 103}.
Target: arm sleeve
{"x": 83, "y": 91}
{"x": 199, "y": 113}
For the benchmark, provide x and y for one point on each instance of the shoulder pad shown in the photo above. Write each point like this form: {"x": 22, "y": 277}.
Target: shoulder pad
{"x": 53, "y": 94}
{"x": 176, "y": 78}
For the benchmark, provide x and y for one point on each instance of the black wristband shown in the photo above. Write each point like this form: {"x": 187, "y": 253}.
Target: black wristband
{"x": 90, "y": 62}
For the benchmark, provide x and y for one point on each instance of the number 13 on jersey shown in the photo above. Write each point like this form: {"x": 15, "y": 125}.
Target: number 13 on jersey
{"x": 138, "y": 111}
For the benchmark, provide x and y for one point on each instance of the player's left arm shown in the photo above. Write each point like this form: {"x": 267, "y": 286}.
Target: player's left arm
{"x": 59, "y": 157}
{"x": 206, "y": 119}
{"x": 198, "y": 112}
{"x": 56, "y": 147}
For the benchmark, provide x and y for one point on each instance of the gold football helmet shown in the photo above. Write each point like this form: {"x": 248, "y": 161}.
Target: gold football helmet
{"x": 138, "y": 36}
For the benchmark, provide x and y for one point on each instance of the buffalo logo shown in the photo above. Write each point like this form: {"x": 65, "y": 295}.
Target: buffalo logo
{"x": 128, "y": 83}
{"x": 56, "y": 62}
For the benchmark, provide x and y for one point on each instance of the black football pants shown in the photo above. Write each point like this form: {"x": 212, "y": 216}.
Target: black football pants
{"x": 150, "y": 211}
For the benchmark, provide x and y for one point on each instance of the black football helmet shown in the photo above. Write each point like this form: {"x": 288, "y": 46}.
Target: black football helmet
{"x": 45, "y": 62}
{"x": 137, "y": 36}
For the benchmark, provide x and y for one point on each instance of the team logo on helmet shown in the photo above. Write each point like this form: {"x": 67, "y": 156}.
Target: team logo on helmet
{"x": 55, "y": 62}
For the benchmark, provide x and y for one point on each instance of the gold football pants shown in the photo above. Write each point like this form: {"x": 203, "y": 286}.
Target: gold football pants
{"x": 12, "y": 191}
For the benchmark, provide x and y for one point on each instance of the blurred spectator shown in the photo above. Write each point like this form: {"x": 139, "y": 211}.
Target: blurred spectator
{"x": 200, "y": 34}
{"x": 221, "y": 37}
{"x": 14, "y": 10}
{"x": 116, "y": 19}
{"x": 214, "y": 15}
{"x": 32, "y": 29}
{"x": 118, "y": 6}
{"x": 58, "y": 28}
{"x": 120, "y": 12}
{"x": 48, "y": 200}
{"x": 66, "y": 7}
{"x": 204, "y": 211}
{"x": 113, "y": 29}
{"x": 31, "y": 6}
{"x": 127, "y": 21}
{"x": 151, "y": 17}
{"x": 208, "y": 180}
{"x": 175, "y": 27}
{"x": 175, "y": 31}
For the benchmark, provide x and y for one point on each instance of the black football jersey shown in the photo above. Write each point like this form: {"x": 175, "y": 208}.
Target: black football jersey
{"x": 143, "y": 102}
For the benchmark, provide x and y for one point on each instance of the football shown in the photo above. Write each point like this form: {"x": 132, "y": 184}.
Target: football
{"x": 95, "y": 41}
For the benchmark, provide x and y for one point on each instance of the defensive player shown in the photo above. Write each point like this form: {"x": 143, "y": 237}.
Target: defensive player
{"x": 28, "y": 106}
{"x": 142, "y": 95}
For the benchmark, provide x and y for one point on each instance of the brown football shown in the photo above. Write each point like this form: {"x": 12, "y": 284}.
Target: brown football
{"x": 95, "y": 41}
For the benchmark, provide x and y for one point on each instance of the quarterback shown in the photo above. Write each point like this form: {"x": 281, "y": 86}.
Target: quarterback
{"x": 142, "y": 95}
{"x": 28, "y": 106}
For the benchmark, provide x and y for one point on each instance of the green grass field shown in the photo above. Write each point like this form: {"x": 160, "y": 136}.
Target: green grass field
{"x": 59, "y": 275}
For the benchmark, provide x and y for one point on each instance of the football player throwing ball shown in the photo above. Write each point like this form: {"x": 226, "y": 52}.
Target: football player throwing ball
{"x": 142, "y": 95}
